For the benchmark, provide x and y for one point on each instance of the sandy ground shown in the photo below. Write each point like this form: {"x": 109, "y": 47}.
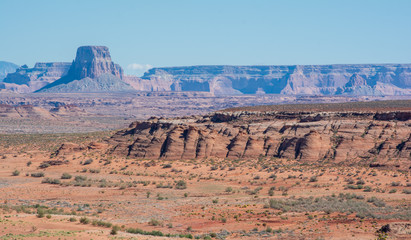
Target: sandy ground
{"x": 219, "y": 198}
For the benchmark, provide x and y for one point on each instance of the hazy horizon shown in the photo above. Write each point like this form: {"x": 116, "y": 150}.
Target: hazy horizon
{"x": 144, "y": 34}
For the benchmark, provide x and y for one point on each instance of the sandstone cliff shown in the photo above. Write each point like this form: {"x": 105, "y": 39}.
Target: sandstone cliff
{"x": 342, "y": 137}
{"x": 348, "y": 79}
{"x": 31, "y": 79}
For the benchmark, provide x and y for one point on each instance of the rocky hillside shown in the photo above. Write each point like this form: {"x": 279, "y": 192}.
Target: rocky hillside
{"x": 349, "y": 79}
{"x": 27, "y": 79}
{"x": 5, "y": 68}
{"x": 379, "y": 139}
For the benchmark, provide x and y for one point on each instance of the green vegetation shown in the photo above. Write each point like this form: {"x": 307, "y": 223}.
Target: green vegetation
{"x": 344, "y": 203}
{"x": 37, "y": 175}
{"x": 66, "y": 176}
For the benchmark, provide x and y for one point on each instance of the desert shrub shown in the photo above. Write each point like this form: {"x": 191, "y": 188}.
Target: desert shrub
{"x": 395, "y": 184}
{"x": 406, "y": 191}
{"x": 355, "y": 186}
{"x": 114, "y": 230}
{"x": 101, "y": 223}
{"x": 28, "y": 163}
{"x": 94, "y": 170}
{"x": 84, "y": 220}
{"x": 154, "y": 222}
{"x": 39, "y": 174}
{"x": 80, "y": 178}
{"x": 73, "y": 219}
{"x": 66, "y": 176}
{"x": 377, "y": 202}
{"x": 88, "y": 161}
{"x": 273, "y": 176}
{"x": 229, "y": 189}
{"x": 51, "y": 181}
{"x": 271, "y": 192}
{"x": 16, "y": 172}
{"x": 255, "y": 191}
{"x": 344, "y": 203}
{"x": 313, "y": 179}
{"x": 367, "y": 189}
{"x": 44, "y": 165}
{"x": 40, "y": 212}
{"x": 167, "y": 166}
{"x": 181, "y": 184}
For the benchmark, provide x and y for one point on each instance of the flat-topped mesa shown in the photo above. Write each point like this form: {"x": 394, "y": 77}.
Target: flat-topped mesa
{"x": 93, "y": 61}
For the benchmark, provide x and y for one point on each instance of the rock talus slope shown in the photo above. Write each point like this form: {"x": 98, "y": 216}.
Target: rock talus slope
{"x": 341, "y": 137}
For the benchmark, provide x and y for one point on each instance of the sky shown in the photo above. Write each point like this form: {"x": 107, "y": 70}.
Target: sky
{"x": 160, "y": 33}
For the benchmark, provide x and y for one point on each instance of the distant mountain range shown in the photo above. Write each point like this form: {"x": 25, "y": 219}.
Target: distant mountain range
{"x": 93, "y": 71}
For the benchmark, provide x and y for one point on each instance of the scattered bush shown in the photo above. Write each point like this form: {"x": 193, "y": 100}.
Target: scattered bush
{"x": 154, "y": 222}
{"x": 51, "y": 181}
{"x": 66, "y": 176}
{"x": 39, "y": 174}
{"x": 313, "y": 179}
{"x": 181, "y": 184}
{"x": 16, "y": 172}
{"x": 88, "y": 161}
{"x": 84, "y": 220}
{"x": 114, "y": 230}
{"x": 80, "y": 178}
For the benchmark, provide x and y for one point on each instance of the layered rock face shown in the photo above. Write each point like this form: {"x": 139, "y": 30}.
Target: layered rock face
{"x": 92, "y": 62}
{"x": 91, "y": 71}
{"x": 342, "y": 137}
{"x": 31, "y": 79}
{"x": 354, "y": 79}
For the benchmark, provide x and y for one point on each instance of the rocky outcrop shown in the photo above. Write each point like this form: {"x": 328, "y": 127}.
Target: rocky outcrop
{"x": 6, "y": 68}
{"x": 69, "y": 148}
{"x": 354, "y": 79}
{"x": 91, "y": 71}
{"x": 68, "y": 110}
{"x": 27, "y": 79}
{"x": 341, "y": 137}
{"x": 25, "y": 112}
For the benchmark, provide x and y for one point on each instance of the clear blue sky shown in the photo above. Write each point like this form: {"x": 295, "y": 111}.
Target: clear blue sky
{"x": 194, "y": 32}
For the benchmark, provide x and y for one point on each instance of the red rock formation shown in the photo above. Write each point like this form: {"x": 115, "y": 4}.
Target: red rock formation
{"x": 93, "y": 61}
{"x": 309, "y": 137}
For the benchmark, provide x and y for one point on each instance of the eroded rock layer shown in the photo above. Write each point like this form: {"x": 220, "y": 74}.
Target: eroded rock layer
{"x": 339, "y": 79}
{"x": 342, "y": 137}
{"x": 27, "y": 79}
